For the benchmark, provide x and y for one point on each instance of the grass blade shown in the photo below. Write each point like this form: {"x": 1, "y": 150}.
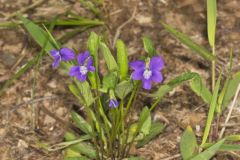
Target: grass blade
{"x": 188, "y": 42}
{"x": 211, "y": 111}
{"x": 38, "y": 34}
{"x": 210, "y": 152}
{"x": 148, "y": 46}
{"x": 211, "y": 21}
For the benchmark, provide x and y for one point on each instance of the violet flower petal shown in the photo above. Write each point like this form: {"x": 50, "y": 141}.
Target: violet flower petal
{"x": 89, "y": 62}
{"x": 55, "y": 53}
{"x": 90, "y": 66}
{"x": 147, "y": 84}
{"x": 137, "y": 74}
{"x": 91, "y": 69}
{"x": 56, "y": 62}
{"x": 81, "y": 58}
{"x": 74, "y": 71}
{"x": 81, "y": 77}
{"x": 113, "y": 103}
{"x": 156, "y": 63}
{"x": 136, "y": 65}
{"x": 67, "y": 54}
{"x": 157, "y": 76}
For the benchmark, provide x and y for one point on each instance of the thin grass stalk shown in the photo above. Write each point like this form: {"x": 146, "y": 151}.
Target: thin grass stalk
{"x": 213, "y": 69}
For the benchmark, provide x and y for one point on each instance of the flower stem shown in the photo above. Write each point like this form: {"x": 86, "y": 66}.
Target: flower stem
{"x": 132, "y": 97}
{"x": 154, "y": 104}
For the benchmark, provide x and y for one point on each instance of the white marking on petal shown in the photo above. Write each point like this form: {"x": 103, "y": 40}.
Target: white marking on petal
{"x": 147, "y": 74}
{"x": 58, "y": 53}
{"x": 83, "y": 70}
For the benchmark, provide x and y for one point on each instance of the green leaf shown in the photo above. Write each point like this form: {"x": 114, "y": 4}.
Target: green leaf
{"x": 110, "y": 81}
{"x": 231, "y": 89}
{"x": 233, "y": 138}
{"x": 122, "y": 59}
{"x": 135, "y": 128}
{"x": 109, "y": 59}
{"x": 123, "y": 89}
{"x": 156, "y": 129}
{"x": 145, "y": 129}
{"x": 230, "y": 147}
{"x": 76, "y": 92}
{"x": 211, "y": 21}
{"x": 200, "y": 89}
{"x": 210, "y": 152}
{"x": 148, "y": 46}
{"x": 188, "y": 42}
{"x": 76, "y": 158}
{"x": 224, "y": 147}
{"x": 145, "y": 114}
{"x": 92, "y": 45}
{"x": 164, "y": 89}
{"x": 188, "y": 144}
{"x": 81, "y": 123}
{"x": 73, "y": 155}
{"x": 221, "y": 96}
{"x": 85, "y": 92}
{"x": 38, "y": 34}
{"x": 211, "y": 111}
{"x": 82, "y": 147}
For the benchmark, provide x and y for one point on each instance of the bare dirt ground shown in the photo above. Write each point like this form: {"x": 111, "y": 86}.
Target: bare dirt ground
{"x": 47, "y": 88}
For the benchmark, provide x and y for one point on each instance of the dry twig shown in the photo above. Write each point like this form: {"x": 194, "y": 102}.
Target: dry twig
{"x": 123, "y": 25}
{"x": 230, "y": 111}
{"x": 24, "y": 10}
{"x": 172, "y": 157}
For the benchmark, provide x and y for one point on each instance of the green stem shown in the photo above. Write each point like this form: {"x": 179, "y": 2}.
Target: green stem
{"x": 213, "y": 69}
{"x": 132, "y": 97}
{"x": 155, "y": 103}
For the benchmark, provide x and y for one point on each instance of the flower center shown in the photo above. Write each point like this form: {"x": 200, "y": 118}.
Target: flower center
{"x": 83, "y": 70}
{"x": 147, "y": 74}
{"x": 58, "y": 53}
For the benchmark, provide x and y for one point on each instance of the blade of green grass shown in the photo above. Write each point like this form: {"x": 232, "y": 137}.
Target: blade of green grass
{"x": 188, "y": 42}
{"x": 60, "y": 22}
{"x": 211, "y": 21}
{"x": 211, "y": 111}
{"x": 210, "y": 152}
{"x": 148, "y": 46}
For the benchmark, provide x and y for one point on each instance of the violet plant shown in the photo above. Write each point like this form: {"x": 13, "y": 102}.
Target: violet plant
{"x": 104, "y": 97}
{"x": 108, "y": 130}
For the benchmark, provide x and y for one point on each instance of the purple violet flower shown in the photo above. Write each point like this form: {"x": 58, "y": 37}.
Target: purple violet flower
{"x": 113, "y": 103}
{"x": 85, "y": 62}
{"x": 148, "y": 71}
{"x": 64, "y": 54}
